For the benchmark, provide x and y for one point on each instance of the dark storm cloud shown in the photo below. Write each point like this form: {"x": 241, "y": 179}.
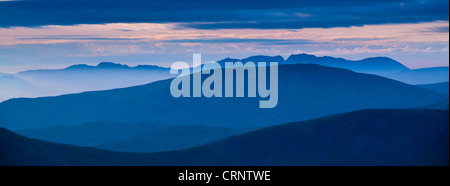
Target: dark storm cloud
{"x": 207, "y": 14}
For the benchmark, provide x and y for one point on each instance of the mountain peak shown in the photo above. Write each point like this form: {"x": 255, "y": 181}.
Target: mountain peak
{"x": 148, "y": 67}
{"x": 376, "y": 65}
{"x": 261, "y": 58}
{"x": 302, "y": 55}
{"x": 79, "y": 66}
{"x": 102, "y": 65}
{"x": 380, "y": 59}
{"x": 384, "y": 62}
{"x": 308, "y": 58}
{"x": 111, "y": 65}
{"x": 228, "y": 60}
{"x": 255, "y": 59}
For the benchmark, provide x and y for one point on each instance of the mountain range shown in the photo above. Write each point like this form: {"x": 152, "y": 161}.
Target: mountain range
{"x": 109, "y": 75}
{"x": 142, "y": 118}
{"x": 305, "y": 92}
{"x": 78, "y": 78}
{"x": 367, "y": 137}
{"x": 382, "y": 66}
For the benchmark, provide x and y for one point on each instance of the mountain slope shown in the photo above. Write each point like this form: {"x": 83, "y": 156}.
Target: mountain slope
{"x": 437, "y": 87}
{"x": 132, "y": 137}
{"x": 13, "y": 87}
{"x": 305, "y": 92}
{"x": 91, "y": 134}
{"x": 368, "y": 137}
{"x": 422, "y": 76}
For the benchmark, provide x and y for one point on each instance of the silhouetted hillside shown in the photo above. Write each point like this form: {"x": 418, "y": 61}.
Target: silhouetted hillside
{"x": 368, "y": 137}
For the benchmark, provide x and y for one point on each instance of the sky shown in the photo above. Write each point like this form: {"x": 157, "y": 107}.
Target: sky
{"x": 37, "y": 34}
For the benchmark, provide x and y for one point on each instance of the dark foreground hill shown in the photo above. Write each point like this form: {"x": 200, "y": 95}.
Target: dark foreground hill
{"x": 368, "y": 137}
{"x": 305, "y": 92}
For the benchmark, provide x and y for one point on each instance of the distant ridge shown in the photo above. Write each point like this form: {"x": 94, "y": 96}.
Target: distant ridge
{"x": 110, "y": 75}
{"x": 80, "y": 78}
{"x": 4, "y": 74}
{"x": 423, "y": 75}
{"x": 379, "y": 65}
{"x": 11, "y": 86}
{"x": 382, "y": 66}
{"x": 112, "y": 65}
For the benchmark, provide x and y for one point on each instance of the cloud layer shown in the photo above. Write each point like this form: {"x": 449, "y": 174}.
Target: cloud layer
{"x": 22, "y": 48}
{"x": 207, "y": 14}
